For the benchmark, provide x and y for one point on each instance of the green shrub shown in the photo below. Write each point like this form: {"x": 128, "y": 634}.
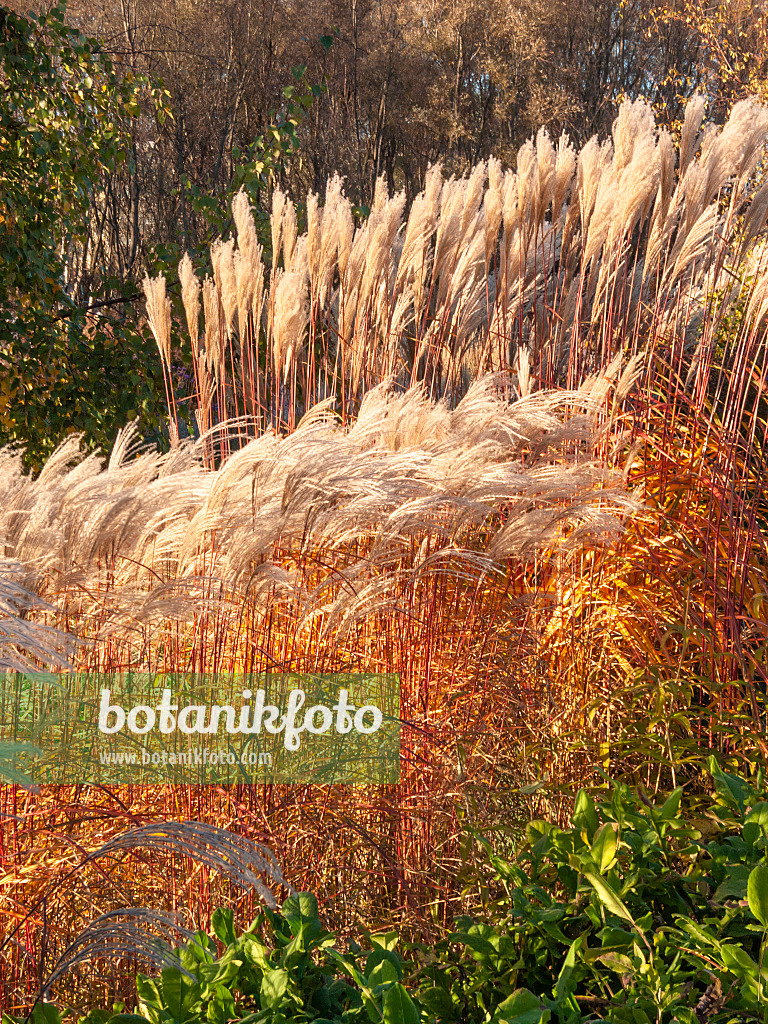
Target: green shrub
{"x": 635, "y": 914}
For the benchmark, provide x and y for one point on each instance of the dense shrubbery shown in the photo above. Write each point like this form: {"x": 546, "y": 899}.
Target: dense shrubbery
{"x": 639, "y": 913}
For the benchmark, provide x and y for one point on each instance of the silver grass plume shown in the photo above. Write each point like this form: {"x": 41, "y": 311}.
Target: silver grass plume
{"x": 278, "y": 205}
{"x": 190, "y": 297}
{"x": 247, "y": 238}
{"x": 123, "y": 933}
{"x": 214, "y": 342}
{"x": 289, "y": 231}
{"x": 159, "y": 315}
{"x": 546, "y": 160}
{"x": 690, "y": 138}
{"x": 237, "y": 858}
{"x": 565, "y": 170}
{"x": 291, "y": 316}
{"x": 22, "y": 638}
{"x": 222, "y": 261}
{"x": 492, "y": 206}
{"x": 314, "y": 228}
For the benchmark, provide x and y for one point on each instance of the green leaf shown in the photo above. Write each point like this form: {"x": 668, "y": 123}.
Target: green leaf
{"x": 584, "y": 814}
{"x": 223, "y": 924}
{"x": 46, "y": 1013}
{"x": 739, "y": 962}
{"x": 617, "y": 962}
{"x": 274, "y": 985}
{"x": 438, "y": 1003}
{"x": 383, "y": 965}
{"x": 671, "y": 806}
{"x": 221, "y": 1008}
{"x": 384, "y": 940}
{"x": 302, "y": 914}
{"x": 382, "y": 973}
{"x": 734, "y": 885}
{"x": 757, "y": 893}
{"x": 522, "y": 1007}
{"x": 347, "y": 967}
{"x": 608, "y": 896}
{"x": 700, "y": 932}
{"x": 172, "y": 983}
{"x": 475, "y": 942}
{"x": 399, "y": 1008}
{"x": 257, "y": 953}
{"x": 567, "y": 979}
{"x": 603, "y": 847}
{"x": 732, "y": 790}
{"x": 759, "y": 814}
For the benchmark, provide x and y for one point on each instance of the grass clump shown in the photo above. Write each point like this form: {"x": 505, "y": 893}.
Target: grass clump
{"x": 505, "y": 444}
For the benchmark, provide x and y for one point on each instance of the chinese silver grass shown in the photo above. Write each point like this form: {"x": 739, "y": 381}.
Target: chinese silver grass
{"x": 447, "y": 469}
{"x": 593, "y": 161}
{"x": 754, "y": 221}
{"x": 690, "y": 138}
{"x": 633, "y": 127}
{"x": 222, "y": 260}
{"x": 159, "y": 315}
{"x": 738, "y": 146}
{"x": 247, "y": 239}
{"x": 414, "y": 263}
{"x": 638, "y": 186}
{"x": 279, "y": 201}
{"x": 126, "y": 931}
{"x": 249, "y": 277}
{"x": 314, "y": 228}
{"x": 757, "y": 306}
{"x": 291, "y": 316}
{"x": 214, "y": 338}
{"x": 236, "y": 857}
{"x": 123, "y": 933}
{"x": 345, "y": 229}
{"x": 333, "y": 488}
{"x": 289, "y": 232}
{"x": 454, "y": 206}
{"x": 492, "y": 207}
{"x": 473, "y": 198}
{"x": 536, "y": 298}
{"x": 692, "y": 247}
{"x": 524, "y": 372}
{"x": 546, "y": 160}
{"x": 565, "y": 171}
{"x": 528, "y": 183}
{"x": 21, "y": 638}
{"x": 560, "y": 214}
{"x": 190, "y": 297}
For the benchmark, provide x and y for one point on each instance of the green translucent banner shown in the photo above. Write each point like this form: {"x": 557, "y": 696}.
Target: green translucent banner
{"x": 137, "y": 728}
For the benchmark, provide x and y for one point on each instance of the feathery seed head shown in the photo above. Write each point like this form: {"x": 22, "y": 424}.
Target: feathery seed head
{"x": 190, "y": 297}
{"x": 159, "y": 315}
